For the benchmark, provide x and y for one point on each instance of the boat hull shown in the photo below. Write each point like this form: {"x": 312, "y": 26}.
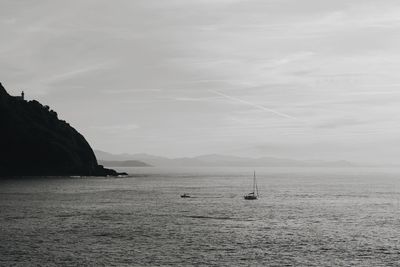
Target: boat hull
{"x": 250, "y": 197}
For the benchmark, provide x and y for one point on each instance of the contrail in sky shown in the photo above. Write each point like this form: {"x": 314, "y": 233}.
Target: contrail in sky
{"x": 254, "y": 105}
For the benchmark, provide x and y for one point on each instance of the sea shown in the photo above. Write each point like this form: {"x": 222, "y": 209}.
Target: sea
{"x": 303, "y": 217}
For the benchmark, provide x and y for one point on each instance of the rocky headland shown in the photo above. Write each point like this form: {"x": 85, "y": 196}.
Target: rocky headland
{"x": 35, "y": 142}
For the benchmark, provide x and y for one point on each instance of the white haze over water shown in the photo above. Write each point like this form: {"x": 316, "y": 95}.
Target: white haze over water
{"x": 305, "y": 79}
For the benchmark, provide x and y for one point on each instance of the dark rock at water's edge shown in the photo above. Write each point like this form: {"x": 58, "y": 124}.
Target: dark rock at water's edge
{"x": 34, "y": 142}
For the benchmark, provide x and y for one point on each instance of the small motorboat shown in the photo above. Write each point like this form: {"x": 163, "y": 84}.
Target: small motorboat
{"x": 185, "y": 196}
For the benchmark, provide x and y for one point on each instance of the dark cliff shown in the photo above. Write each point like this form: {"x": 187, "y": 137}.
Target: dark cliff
{"x": 34, "y": 142}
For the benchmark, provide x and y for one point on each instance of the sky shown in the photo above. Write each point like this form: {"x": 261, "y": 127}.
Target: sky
{"x": 309, "y": 79}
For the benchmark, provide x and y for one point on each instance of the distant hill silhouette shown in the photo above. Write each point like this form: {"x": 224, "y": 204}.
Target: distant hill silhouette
{"x": 123, "y": 163}
{"x": 34, "y": 142}
{"x": 215, "y": 160}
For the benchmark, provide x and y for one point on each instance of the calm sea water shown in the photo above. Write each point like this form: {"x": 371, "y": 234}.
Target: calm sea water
{"x": 304, "y": 217}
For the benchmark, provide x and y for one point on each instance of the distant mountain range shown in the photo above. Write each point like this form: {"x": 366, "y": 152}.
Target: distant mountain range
{"x": 123, "y": 163}
{"x": 212, "y": 160}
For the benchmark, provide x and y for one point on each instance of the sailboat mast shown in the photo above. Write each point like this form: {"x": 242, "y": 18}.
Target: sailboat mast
{"x": 256, "y": 189}
{"x": 254, "y": 182}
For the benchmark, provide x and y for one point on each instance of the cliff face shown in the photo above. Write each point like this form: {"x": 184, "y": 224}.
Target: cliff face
{"x": 33, "y": 142}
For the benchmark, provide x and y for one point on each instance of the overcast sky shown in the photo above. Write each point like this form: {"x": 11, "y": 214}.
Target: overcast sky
{"x": 309, "y": 79}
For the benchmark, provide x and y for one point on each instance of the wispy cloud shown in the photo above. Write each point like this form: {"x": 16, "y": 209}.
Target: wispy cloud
{"x": 340, "y": 122}
{"x": 257, "y": 106}
{"x": 79, "y": 71}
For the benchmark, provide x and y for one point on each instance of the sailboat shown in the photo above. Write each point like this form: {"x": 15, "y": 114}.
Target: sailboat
{"x": 253, "y": 195}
